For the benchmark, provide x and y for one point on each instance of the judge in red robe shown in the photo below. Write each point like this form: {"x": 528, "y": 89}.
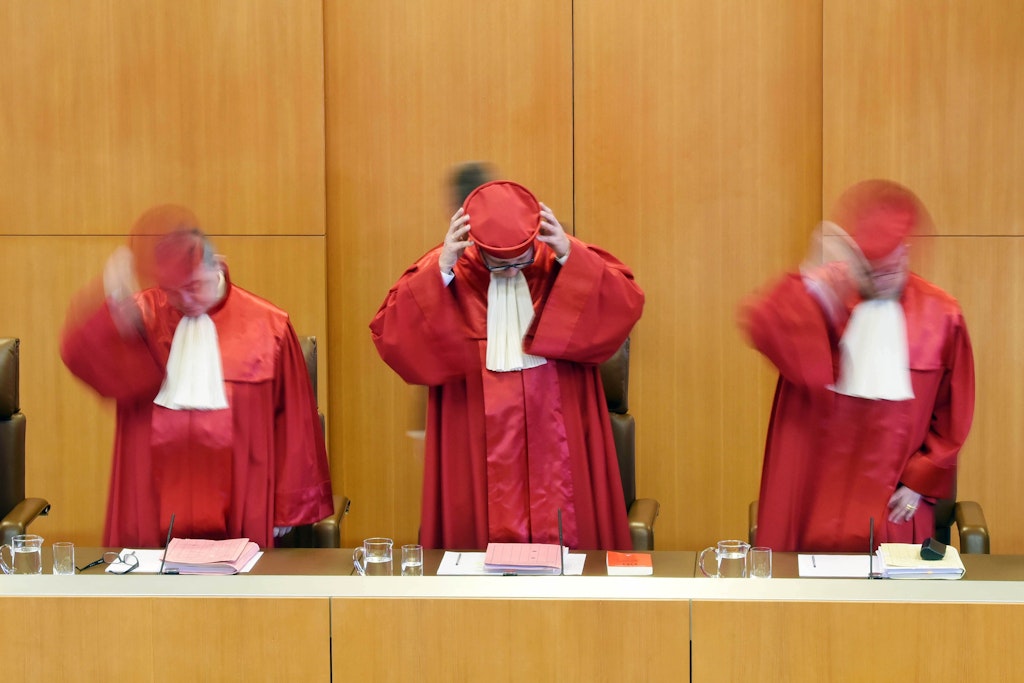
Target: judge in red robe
{"x": 875, "y": 395}
{"x": 253, "y": 464}
{"x": 506, "y": 322}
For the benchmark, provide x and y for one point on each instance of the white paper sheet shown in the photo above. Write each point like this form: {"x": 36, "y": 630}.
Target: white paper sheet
{"x": 836, "y": 566}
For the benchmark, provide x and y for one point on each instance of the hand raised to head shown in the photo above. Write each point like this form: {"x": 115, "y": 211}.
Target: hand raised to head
{"x": 552, "y": 233}
{"x": 455, "y": 241}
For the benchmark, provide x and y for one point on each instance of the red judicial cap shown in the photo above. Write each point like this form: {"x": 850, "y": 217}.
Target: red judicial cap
{"x": 504, "y": 218}
{"x": 149, "y": 229}
{"x": 879, "y": 215}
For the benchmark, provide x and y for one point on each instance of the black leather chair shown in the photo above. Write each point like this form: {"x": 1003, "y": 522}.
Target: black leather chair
{"x": 17, "y": 510}
{"x": 966, "y": 514}
{"x": 327, "y": 532}
{"x": 642, "y": 511}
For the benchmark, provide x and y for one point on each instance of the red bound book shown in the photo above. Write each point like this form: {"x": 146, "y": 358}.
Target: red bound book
{"x": 629, "y": 564}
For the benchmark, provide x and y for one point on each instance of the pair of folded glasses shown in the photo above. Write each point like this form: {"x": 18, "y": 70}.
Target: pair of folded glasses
{"x": 120, "y": 563}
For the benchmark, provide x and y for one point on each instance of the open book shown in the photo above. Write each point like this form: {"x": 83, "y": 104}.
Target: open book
{"x": 199, "y": 556}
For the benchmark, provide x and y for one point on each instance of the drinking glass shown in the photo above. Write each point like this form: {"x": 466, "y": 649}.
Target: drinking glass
{"x": 760, "y": 563}
{"x": 412, "y": 560}
{"x": 63, "y": 558}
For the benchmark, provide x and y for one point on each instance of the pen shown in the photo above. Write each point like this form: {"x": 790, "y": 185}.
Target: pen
{"x": 813, "y": 561}
{"x": 458, "y": 559}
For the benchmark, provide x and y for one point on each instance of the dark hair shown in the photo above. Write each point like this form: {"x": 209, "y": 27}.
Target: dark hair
{"x": 467, "y": 177}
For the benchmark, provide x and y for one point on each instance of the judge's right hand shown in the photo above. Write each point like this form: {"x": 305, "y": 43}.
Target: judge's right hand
{"x": 120, "y": 285}
{"x": 833, "y": 286}
{"x": 455, "y": 241}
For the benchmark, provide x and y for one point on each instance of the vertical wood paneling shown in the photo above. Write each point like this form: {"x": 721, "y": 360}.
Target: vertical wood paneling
{"x": 935, "y": 100}
{"x": 111, "y": 107}
{"x": 412, "y": 89}
{"x": 697, "y": 162}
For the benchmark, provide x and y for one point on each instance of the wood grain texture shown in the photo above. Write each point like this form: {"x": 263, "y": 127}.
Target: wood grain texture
{"x": 511, "y": 640}
{"x": 412, "y": 90}
{"x": 112, "y": 106}
{"x": 698, "y": 162}
{"x": 168, "y": 639}
{"x": 934, "y": 100}
{"x": 739, "y": 641}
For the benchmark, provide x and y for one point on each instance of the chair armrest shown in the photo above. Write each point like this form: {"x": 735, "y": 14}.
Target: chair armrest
{"x": 15, "y": 521}
{"x": 327, "y": 532}
{"x": 752, "y": 523}
{"x": 642, "y": 514}
{"x": 970, "y": 522}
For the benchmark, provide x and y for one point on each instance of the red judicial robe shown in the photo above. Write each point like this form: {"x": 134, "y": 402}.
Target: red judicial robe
{"x": 831, "y": 461}
{"x": 227, "y": 473}
{"x": 506, "y": 450}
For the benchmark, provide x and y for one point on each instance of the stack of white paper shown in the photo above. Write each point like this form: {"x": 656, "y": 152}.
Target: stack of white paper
{"x": 903, "y": 561}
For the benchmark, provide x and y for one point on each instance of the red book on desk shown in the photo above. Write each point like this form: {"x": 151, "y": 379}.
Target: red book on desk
{"x": 629, "y": 564}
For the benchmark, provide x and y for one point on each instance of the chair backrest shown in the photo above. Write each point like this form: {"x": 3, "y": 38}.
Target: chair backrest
{"x": 308, "y": 344}
{"x": 12, "y": 428}
{"x": 615, "y": 378}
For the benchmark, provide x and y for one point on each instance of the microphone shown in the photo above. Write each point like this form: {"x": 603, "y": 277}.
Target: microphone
{"x": 170, "y": 530}
{"x": 561, "y": 553}
{"x": 871, "y": 548}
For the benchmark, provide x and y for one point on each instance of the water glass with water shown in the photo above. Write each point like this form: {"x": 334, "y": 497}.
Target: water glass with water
{"x": 412, "y": 560}
{"x": 373, "y": 557}
{"x": 731, "y": 558}
{"x": 26, "y": 552}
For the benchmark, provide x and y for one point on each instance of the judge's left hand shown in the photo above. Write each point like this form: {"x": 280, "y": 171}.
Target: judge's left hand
{"x": 903, "y": 504}
{"x": 552, "y": 233}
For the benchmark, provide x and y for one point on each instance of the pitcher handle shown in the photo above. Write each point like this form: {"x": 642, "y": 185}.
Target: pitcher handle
{"x": 700, "y": 563}
{"x": 357, "y": 555}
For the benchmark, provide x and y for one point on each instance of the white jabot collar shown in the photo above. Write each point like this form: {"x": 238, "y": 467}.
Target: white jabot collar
{"x": 195, "y": 377}
{"x": 873, "y": 353}
{"x": 509, "y": 314}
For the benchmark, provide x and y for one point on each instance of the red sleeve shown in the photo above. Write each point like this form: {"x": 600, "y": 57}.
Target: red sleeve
{"x": 787, "y": 325}
{"x": 419, "y": 330}
{"x": 591, "y": 308}
{"x": 931, "y": 470}
{"x": 302, "y": 491}
{"x": 116, "y": 367}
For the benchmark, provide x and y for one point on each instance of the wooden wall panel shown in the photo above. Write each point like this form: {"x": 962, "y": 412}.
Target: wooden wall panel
{"x": 412, "y": 89}
{"x": 935, "y": 100}
{"x": 168, "y": 639}
{"x": 697, "y": 162}
{"x": 70, "y": 429}
{"x": 511, "y": 640}
{"x": 739, "y": 641}
{"x": 113, "y": 105}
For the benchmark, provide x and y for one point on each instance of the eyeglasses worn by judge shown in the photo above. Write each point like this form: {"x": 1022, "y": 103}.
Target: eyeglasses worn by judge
{"x": 506, "y": 322}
